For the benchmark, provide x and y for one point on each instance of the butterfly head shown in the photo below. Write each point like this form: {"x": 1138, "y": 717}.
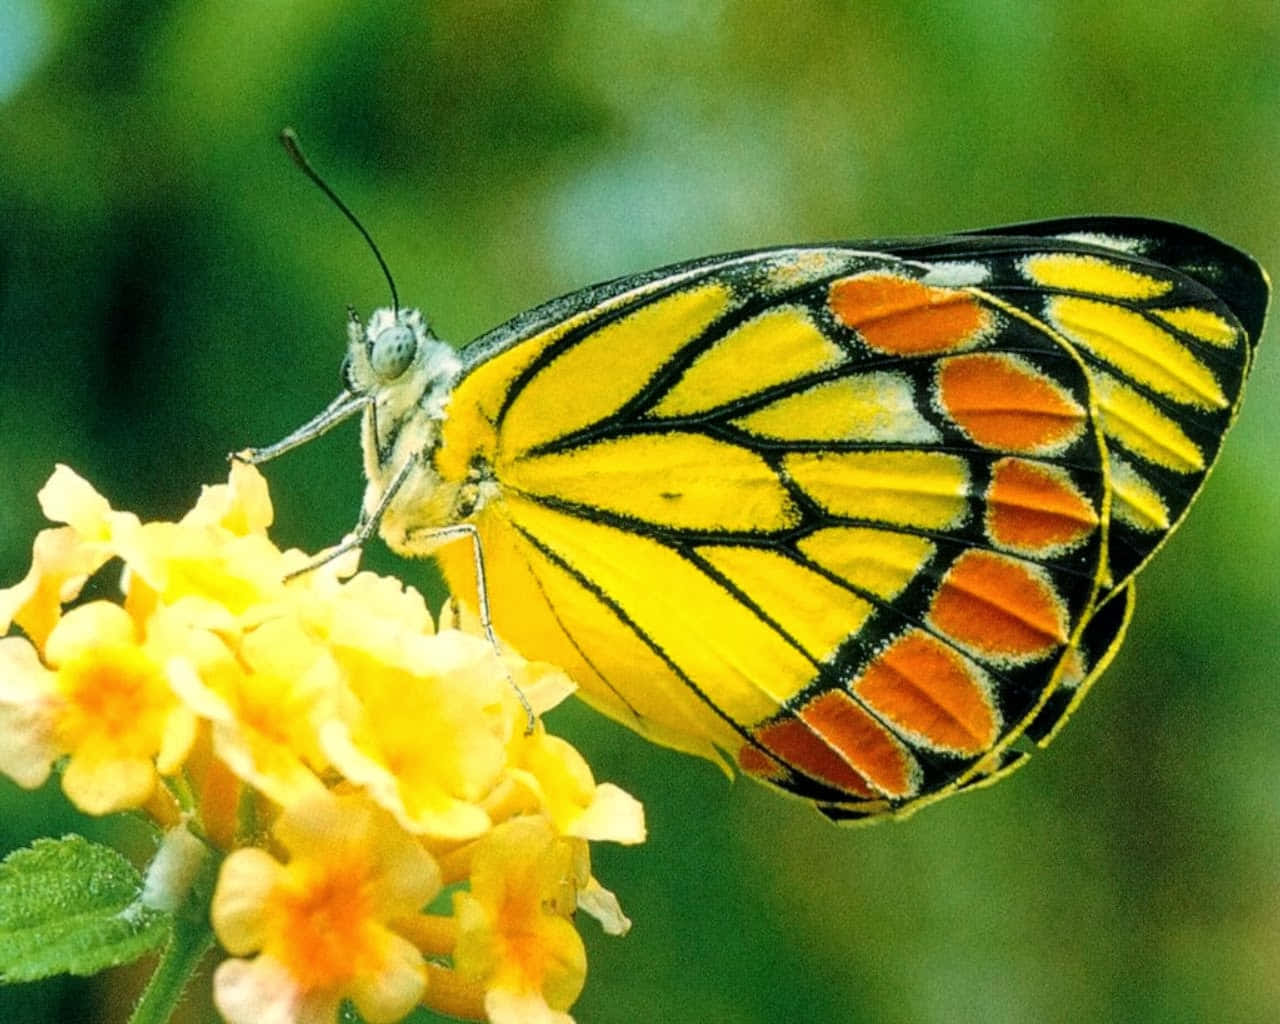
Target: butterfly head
{"x": 398, "y": 367}
{"x": 389, "y": 344}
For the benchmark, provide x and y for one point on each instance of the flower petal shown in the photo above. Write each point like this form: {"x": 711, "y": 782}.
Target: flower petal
{"x": 392, "y": 991}
{"x": 603, "y": 905}
{"x": 28, "y": 747}
{"x": 245, "y": 881}
{"x": 176, "y": 741}
{"x": 68, "y": 498}
{"x": 88, "y": 628}
{"x": 613, "y": 814}
{"x": 503, "y": 1006}
{"x": 242, "y": 505}
{"x": 103, "y": 786}
{"x": 61, "y": 562}
{"x": 258, "y": 992}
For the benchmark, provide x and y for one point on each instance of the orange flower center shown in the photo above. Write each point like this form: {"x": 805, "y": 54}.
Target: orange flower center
{"x": 116, "y": 696}
{"x": 324, "y": 930}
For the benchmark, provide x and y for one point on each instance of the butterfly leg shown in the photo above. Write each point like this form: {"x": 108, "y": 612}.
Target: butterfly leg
{"x": 338, "y": 410}
{"x": 366, "y": 525}
{"x": 468, "y": 530}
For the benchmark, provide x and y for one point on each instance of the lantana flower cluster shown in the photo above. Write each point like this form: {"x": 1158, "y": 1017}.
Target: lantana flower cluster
{"x": 395, "y": 830}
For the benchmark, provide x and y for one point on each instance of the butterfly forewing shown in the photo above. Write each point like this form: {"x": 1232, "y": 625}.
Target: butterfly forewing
{"x": 1165, "y": 319}
{"x": 850, "y": 516}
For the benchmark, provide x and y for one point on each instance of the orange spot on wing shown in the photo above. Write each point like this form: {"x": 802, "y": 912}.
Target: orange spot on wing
{"x": 810, "y": 754}
{"x": 901, "y": 316}
{"x": 1035, "y": 508}
{"x": 863, "y": 742}
{"x": 1003, "y": 402}
{"x": 999, "y": 608}
{"x": 931, "y": 691}
{"x": 755, "y": 761}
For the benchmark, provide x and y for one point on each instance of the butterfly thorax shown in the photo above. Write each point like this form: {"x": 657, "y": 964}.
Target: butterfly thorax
{"x": 408, "y": 375}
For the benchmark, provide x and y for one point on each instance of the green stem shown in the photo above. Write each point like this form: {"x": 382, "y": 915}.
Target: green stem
{"x": 192, "y": 937}
{"x": 187, "y": 946}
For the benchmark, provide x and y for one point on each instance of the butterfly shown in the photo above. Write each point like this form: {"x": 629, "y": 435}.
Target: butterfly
{"x": 861, "y": 518}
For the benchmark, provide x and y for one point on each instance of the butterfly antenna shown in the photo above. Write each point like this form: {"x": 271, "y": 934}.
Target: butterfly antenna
{"x": 289, "y": 139}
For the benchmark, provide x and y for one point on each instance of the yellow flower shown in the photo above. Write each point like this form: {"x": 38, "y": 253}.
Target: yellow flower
{"x": 390, "y": 754}
{"x": 266, "y": 707}
{"x": 105, "y": 701}
{"x": 514, "y": 931}
{"x": 63, "y": 558}
{"x": 322, "y": 924}
{"x": 213, "y": 558}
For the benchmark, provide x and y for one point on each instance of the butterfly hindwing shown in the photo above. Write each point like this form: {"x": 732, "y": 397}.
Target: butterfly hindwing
{"x": 1095, "y": 647}
{"x": 842, "y": 513}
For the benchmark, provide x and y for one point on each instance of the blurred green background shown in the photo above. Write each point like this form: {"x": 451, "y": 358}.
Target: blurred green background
{"x": 171, "y": 289}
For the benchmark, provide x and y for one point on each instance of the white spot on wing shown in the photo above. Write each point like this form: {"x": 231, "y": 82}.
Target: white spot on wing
{"x": 1135, "y": 246}
{"x": 957, "y": 274}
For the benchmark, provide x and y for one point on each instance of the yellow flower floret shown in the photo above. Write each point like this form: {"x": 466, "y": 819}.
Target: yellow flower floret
{"x": 514, "y": 930}
{"x": 63, "y": 558}
{"x": 322, "y": 924}
{"x": 265, "y": 708}
{"x": 104, "y": 701}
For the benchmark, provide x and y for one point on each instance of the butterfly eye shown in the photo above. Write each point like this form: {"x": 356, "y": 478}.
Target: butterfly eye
{"x": 392, "y": 352}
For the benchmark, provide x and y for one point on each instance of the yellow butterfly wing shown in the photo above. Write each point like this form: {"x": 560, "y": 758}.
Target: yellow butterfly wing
{"x": 852, "y": 516}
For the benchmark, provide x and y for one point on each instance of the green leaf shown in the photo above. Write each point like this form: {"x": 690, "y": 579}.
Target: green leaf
{"x": 71, "y": 906}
